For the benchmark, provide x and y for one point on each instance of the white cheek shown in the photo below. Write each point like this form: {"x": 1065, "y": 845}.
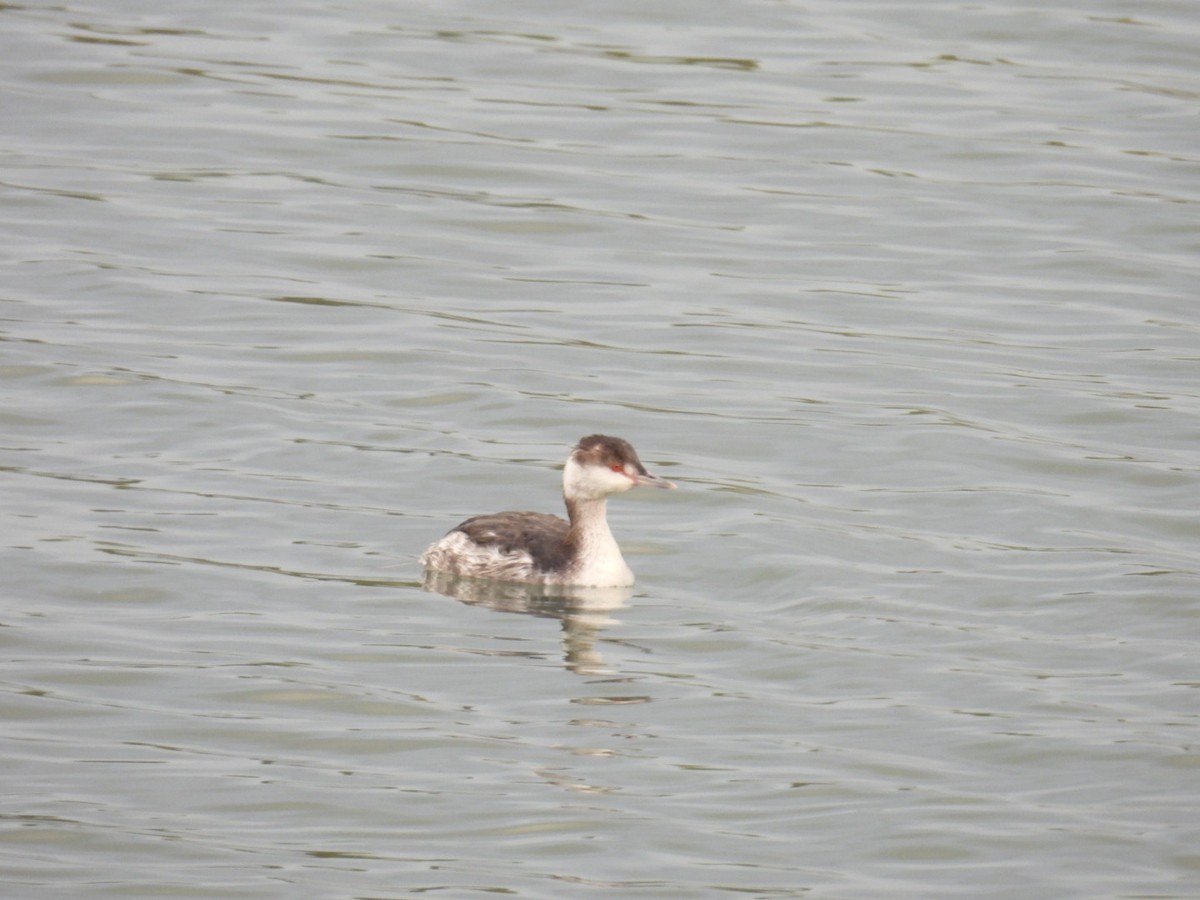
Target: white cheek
{"x": 594, "y": 482}
{"x": 609, "y": 482}
{"x": 619, "y": 482}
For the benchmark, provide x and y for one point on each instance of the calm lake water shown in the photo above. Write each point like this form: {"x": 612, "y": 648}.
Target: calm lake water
{"x": 903, "y": 296}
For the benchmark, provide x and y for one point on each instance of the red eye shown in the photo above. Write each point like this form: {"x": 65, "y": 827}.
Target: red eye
{"x": 617, "y": 467}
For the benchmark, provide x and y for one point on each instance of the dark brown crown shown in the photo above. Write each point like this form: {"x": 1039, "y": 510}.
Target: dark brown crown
{"x": 604, "y": 450}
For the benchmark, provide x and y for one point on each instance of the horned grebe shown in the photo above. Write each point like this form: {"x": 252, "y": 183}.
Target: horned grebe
{"x": 543, "y": 549}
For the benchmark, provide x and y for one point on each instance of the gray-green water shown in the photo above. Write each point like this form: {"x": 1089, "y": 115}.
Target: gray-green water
{"x": 902, "y": 295}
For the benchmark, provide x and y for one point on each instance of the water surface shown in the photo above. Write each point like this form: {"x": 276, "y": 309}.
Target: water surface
{"x": 903, "y": 297}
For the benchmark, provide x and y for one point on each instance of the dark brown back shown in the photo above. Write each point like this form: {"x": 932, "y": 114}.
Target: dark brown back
{"x": 542, "y": 535}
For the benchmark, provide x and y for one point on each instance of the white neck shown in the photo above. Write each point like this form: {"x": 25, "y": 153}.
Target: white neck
{"x": 598, "y": 559}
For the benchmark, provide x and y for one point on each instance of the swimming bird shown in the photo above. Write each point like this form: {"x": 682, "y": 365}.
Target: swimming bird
{"x": 539, "y": 548}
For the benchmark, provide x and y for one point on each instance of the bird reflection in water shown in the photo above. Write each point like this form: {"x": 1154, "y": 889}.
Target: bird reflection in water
{"x": 583, "y": 611}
